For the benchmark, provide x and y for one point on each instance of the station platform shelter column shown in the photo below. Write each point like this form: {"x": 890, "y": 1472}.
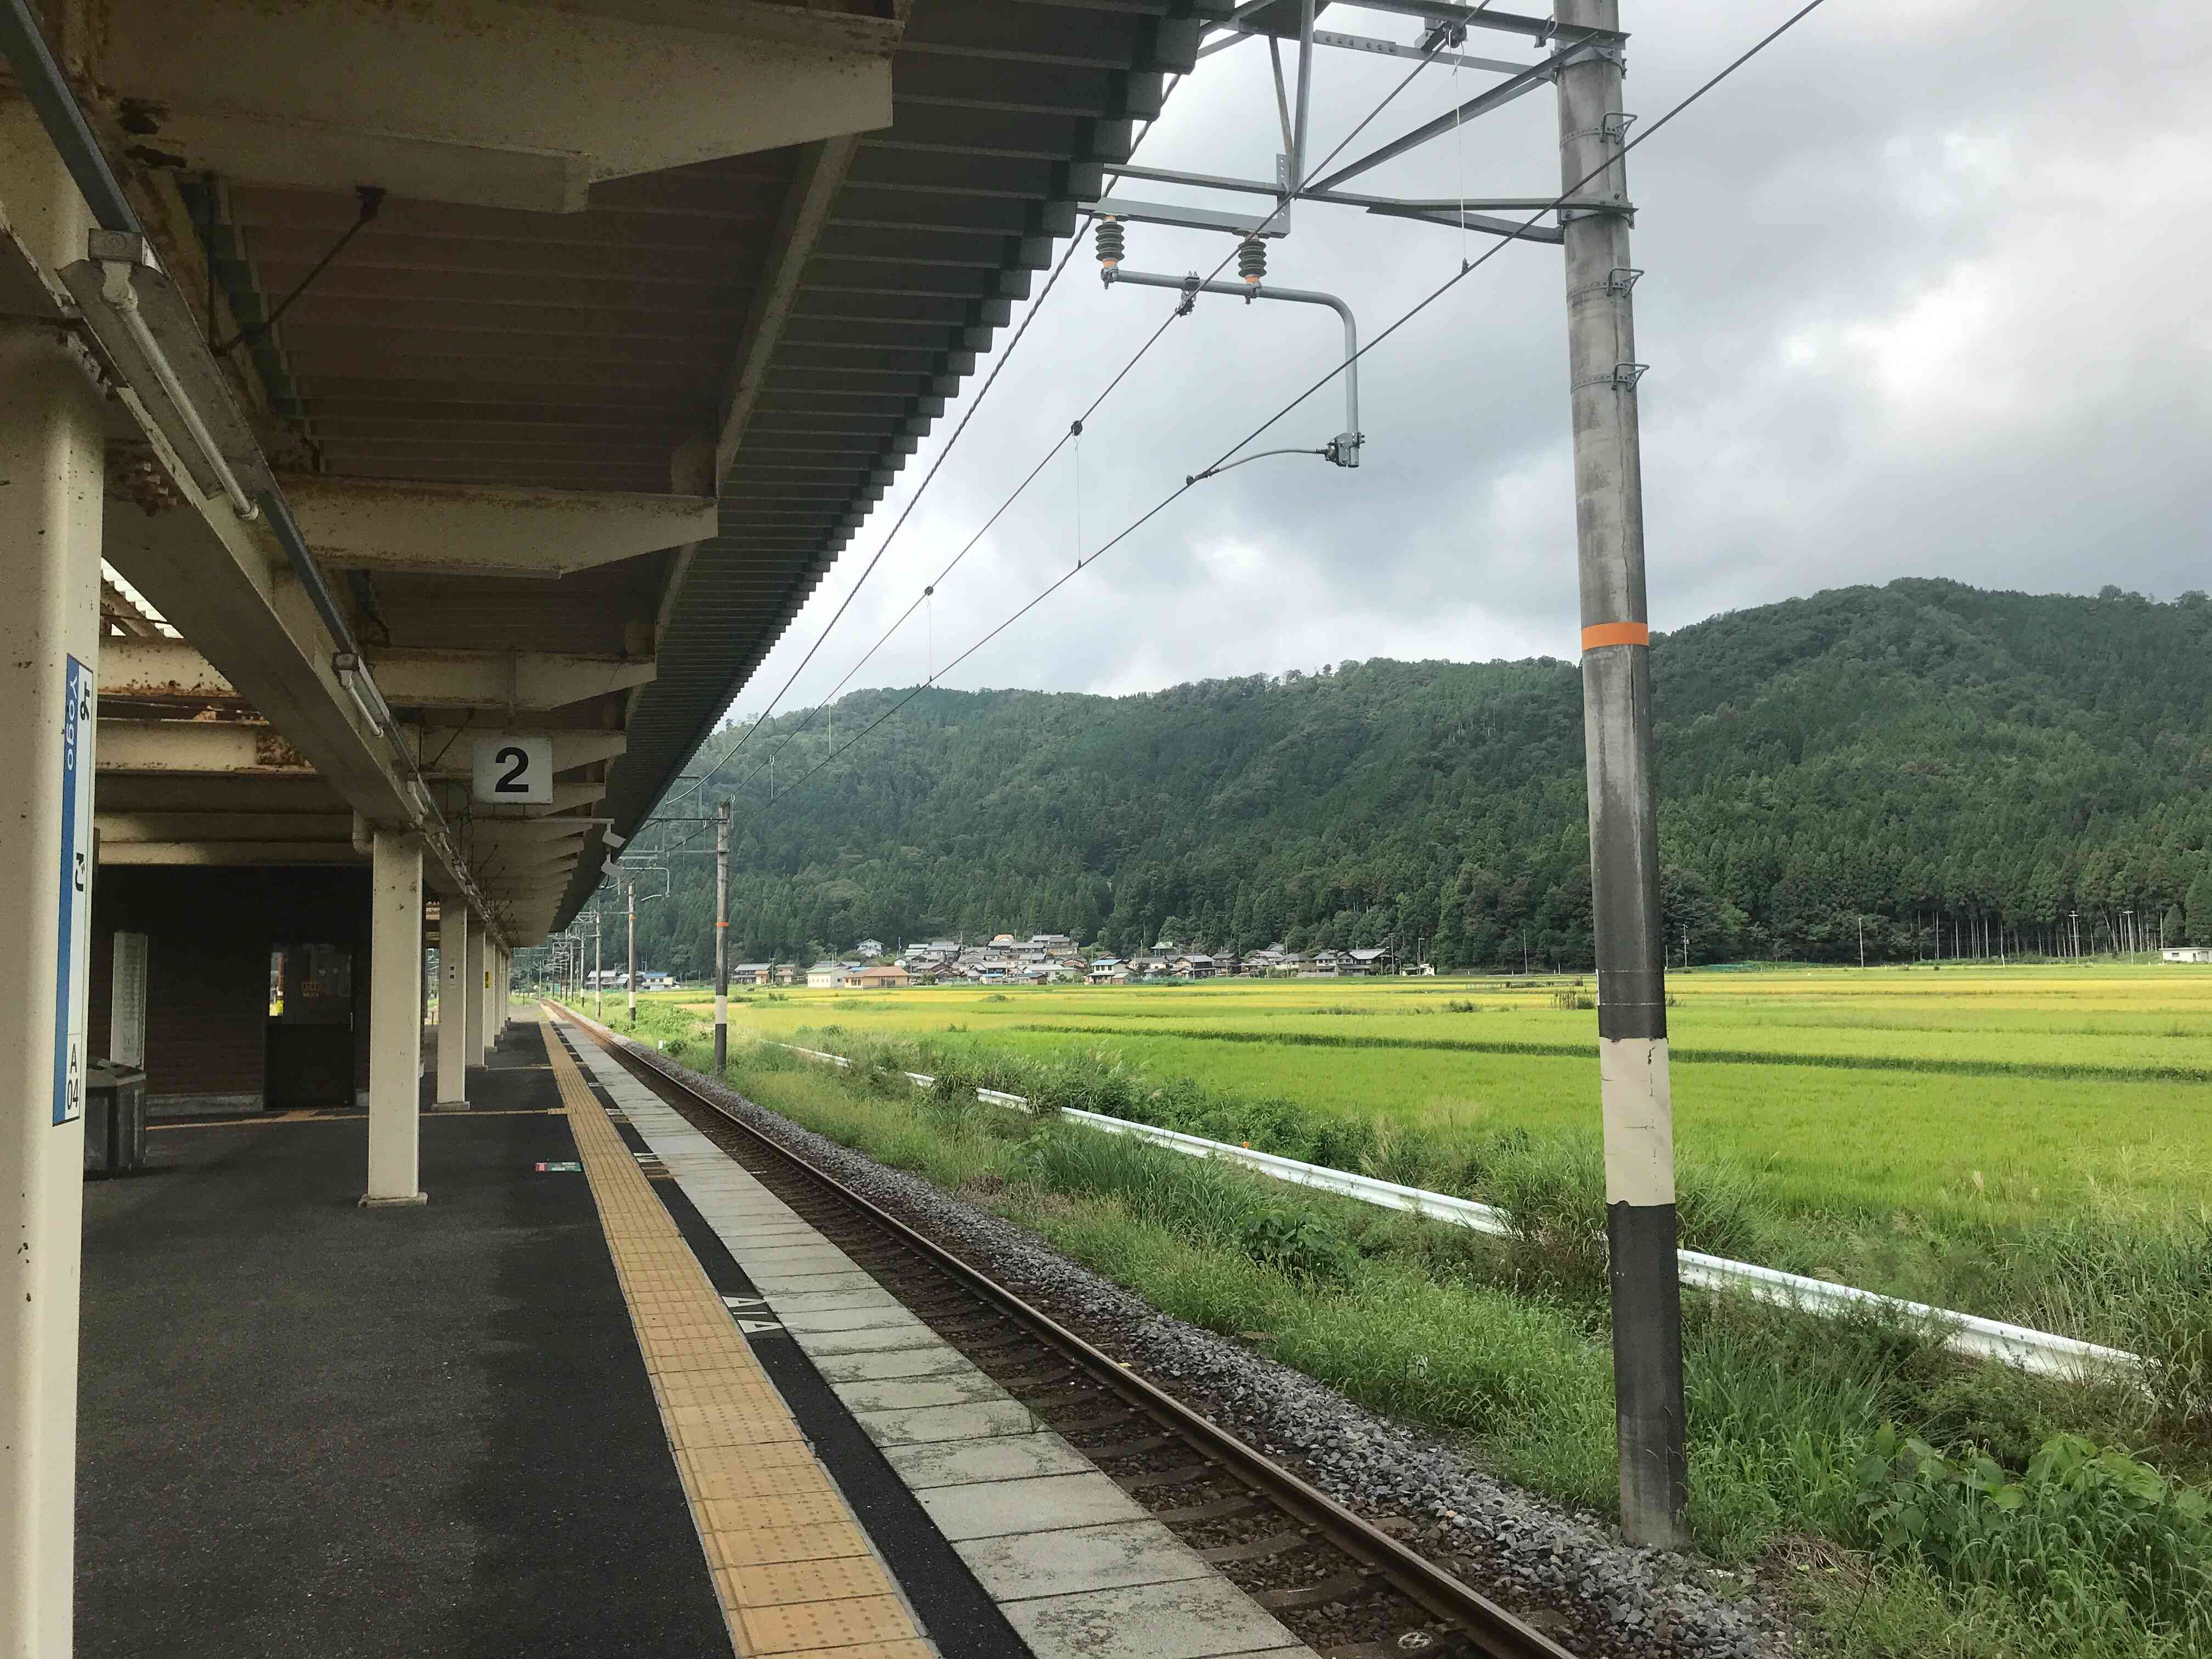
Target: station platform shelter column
{"x": 395, "y": 1032}
{"x": 477, "y": 1043}
{"x": 453, "y": 1000}
{"x": 52, "y": 455}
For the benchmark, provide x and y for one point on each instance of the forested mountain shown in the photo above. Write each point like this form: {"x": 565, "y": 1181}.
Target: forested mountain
{"x": 1902, "y": 758}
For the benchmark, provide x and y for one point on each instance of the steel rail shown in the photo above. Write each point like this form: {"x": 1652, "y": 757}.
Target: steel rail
{"x": 1490, "y": 1628}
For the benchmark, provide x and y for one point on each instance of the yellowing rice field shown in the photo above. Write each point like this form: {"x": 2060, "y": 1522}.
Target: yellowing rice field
{"x": 2014, "y": 1092}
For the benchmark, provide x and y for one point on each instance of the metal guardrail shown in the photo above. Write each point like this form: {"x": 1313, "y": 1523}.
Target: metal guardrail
{"x": 2043, "y": 1352}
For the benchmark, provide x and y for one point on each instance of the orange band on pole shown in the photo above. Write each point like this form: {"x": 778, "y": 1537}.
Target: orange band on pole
{"x": 1616, "y": 633}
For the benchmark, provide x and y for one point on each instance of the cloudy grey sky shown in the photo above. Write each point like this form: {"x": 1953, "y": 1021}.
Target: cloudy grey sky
{"x": 1925, "y": 295}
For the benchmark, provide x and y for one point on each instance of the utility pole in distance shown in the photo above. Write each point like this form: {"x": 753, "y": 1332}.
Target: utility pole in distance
{"x": 1635, "y": 1093}
{"x": 721, "y": 937}
{"x": 630, "y": 897}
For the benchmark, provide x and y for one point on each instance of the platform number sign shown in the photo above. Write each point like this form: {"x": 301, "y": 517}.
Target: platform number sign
{"x": 73, "y": 937}
{"x": 515, "y": 767}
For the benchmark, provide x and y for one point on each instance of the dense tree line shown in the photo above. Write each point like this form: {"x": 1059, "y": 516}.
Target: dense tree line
{"x": 1940, "y": 770}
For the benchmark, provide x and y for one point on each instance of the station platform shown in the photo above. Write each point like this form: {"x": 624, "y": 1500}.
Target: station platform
{"x": 516, "y": 1419}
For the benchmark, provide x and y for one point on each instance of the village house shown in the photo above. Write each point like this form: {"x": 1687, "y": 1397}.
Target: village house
{"x": 882, "y": 979}
{"x": 1109, "y": 970}
{"x": 869, "y": 949}
{"x": 825, "y": 976}
{"x": 786, "y": 973}
{"x": 1366, "y": 962}
{"x": 1322, "y": 964}
{"x": 1194, "y": 964}
{"x": 751, "y": 973}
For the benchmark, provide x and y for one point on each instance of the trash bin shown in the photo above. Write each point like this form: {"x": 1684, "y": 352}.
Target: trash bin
{"x": 114, "y": 1118}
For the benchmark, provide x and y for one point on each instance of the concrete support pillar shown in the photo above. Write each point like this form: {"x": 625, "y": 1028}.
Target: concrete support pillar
{"x": 452, "y": 1007}
{"x": 51, "y": 459}
{"x": 395, "y": 1038}
{"x": 475, "y": 1042}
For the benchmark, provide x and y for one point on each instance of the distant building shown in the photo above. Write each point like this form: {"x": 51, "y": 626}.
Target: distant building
{"x": 882, "y": 979}
{"x": 1195, "y": 965}
{"x": 2187, "y": 953}
{"x": 869, "y": 947}
{"x": 751, "y": 973}
{"x": 825, "y": 976}
{"x": 1365, "y": 962}
{"x": 1109, "y": 970}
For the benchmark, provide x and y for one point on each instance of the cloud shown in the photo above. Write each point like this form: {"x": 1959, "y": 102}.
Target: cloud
{"x": 1922, "y": 296}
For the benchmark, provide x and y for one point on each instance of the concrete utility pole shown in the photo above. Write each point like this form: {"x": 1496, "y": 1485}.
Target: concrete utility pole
{"x": 629, "y": 979}
{"x": 1632, "y": 971}
{"x": 721, "y": 937}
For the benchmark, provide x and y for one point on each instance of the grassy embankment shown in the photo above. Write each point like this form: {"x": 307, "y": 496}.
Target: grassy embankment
{"x": 1500, "y": 1344}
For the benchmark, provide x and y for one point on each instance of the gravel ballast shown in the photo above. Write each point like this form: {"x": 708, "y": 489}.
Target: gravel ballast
{"x": 1570, "y": 1574}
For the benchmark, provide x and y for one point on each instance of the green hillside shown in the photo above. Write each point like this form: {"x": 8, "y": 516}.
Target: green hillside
{"x": 1917, "y": 755}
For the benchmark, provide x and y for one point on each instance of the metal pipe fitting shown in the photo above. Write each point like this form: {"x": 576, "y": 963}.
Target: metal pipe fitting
{"x": 1344, "y": 448}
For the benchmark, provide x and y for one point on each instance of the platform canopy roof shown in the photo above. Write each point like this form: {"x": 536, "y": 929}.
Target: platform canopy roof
{"x": 579, "y": 337}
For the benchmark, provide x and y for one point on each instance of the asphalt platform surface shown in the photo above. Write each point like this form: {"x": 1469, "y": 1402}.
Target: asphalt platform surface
{"x": 310, "y": 1429}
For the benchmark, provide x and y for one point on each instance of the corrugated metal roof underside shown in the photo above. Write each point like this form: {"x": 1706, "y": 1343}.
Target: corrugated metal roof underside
{"x": 1004, "y": 111}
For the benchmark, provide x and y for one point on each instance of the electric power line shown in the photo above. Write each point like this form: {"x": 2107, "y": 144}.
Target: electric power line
{"x": 1073, "y": 431}
{"x": 935, "y": 466}
{"x": 1467, "y": 268}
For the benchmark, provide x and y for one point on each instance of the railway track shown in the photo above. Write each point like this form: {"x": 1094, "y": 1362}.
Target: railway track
{"x": 1343, "y": 1584}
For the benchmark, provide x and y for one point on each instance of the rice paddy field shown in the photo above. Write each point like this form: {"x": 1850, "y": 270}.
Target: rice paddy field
{"x": 2012, "y": 1094}
{"x": 2025, "y": 1142}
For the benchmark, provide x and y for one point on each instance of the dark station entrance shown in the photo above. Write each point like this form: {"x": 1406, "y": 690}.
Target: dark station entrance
{"x": 311, "y": 1027}
{"x": 256, "y": 982}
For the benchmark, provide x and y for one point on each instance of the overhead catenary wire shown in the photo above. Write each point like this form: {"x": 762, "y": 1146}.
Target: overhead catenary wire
{"x": 1468, "y": 269}
{"x": 1072, "y": 435}
{"x": 936, "y": 465}
{"x": 1226, "y": 458}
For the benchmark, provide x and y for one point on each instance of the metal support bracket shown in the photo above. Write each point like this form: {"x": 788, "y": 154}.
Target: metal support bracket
{"x": 1274, "y": 223}
{"x": 1623, "y": 378}
{"x": 1344, "y": 449}
{"x": 1622, "y": 279}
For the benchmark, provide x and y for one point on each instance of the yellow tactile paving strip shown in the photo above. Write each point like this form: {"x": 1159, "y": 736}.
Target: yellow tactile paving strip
{"x": 793, "y": 1570}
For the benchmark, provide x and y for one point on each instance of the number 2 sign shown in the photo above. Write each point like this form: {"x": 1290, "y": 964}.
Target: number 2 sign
{"x": 515, "y": 767}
